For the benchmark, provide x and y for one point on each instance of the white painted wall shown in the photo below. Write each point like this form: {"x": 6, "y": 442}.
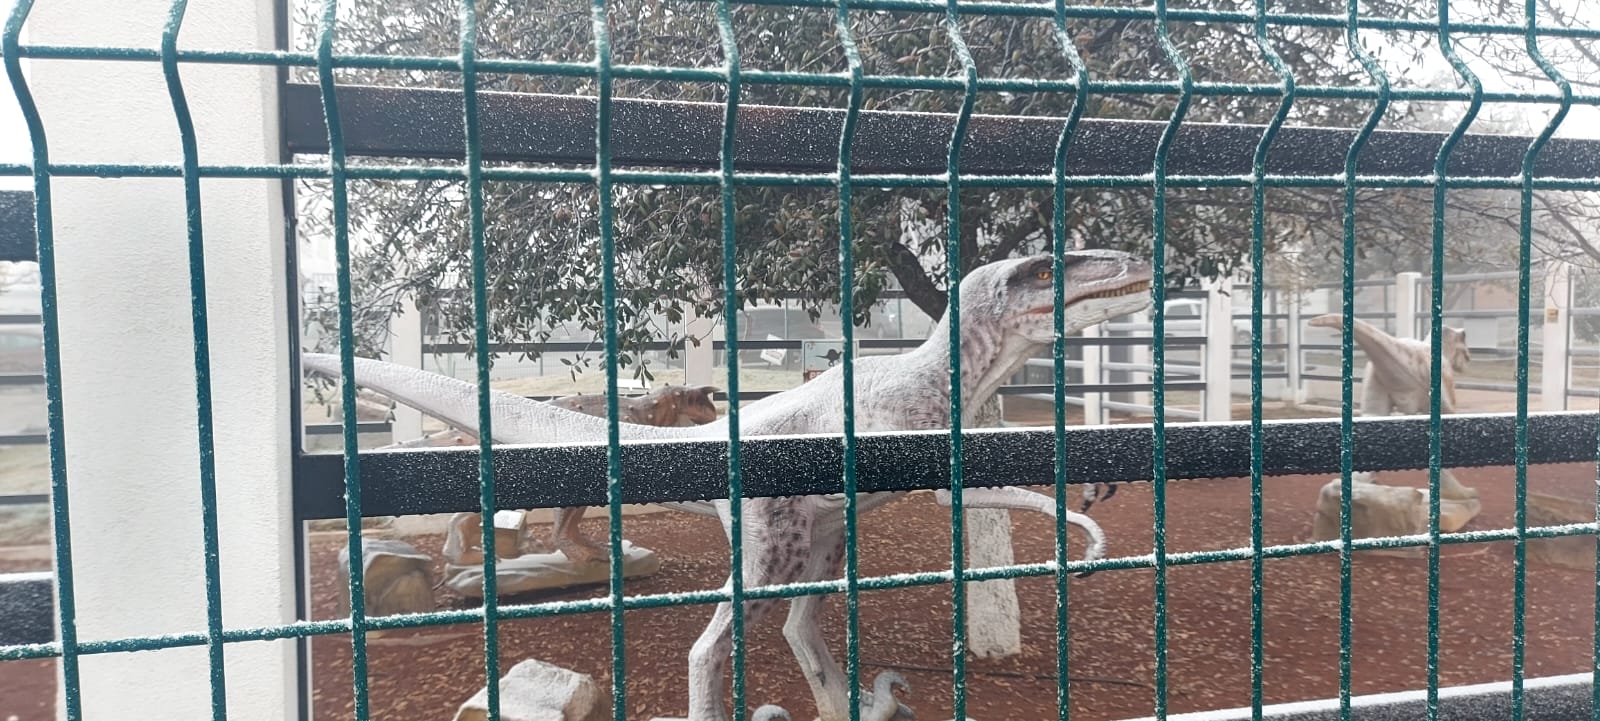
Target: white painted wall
{"x": 132, "y": 456}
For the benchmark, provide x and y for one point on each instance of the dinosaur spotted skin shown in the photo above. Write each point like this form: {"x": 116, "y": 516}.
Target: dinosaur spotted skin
{"x": 1006, "y": 317}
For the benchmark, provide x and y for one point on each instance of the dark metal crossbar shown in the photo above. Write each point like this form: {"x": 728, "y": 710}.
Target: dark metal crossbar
{"x": 541, "y": 128}
{"x": 446, "y": 480}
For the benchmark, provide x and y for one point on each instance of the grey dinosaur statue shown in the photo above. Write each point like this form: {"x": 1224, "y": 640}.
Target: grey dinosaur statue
{"x": 1006, "y": 317}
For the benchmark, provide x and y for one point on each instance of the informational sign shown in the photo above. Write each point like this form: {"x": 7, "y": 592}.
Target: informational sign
{"x": 817, "y": 356}
{"x": 774, "y": 356}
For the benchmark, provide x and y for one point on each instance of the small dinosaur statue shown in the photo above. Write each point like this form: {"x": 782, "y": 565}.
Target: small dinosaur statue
{"x": 663, "y": 406}
{"x": 1398, "y": 376}
{"x": 1006, "y": 317}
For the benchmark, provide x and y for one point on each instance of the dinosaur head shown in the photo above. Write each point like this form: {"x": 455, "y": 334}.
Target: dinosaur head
{"x": 1098, "y": 285}
{"x": 1454, "y": 348}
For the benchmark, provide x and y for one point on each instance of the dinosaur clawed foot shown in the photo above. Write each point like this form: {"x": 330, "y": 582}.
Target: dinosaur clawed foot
{"x": 1096, "y": 493}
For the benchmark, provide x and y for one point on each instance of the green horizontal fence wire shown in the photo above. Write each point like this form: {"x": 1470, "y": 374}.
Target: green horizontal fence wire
{"x": 856, "y": 81}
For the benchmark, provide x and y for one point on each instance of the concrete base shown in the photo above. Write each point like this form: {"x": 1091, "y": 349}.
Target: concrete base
{"x": 541, "y": 571}
{"x": 396, "y": 578}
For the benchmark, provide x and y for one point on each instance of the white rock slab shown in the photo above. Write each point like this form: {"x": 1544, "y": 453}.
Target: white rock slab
{"x": 537, "y": 691}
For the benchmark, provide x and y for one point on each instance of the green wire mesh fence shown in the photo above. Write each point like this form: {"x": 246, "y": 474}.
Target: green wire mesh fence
{"x": 865, "y": 149}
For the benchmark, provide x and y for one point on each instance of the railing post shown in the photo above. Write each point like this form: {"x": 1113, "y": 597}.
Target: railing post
{"x": 1294, "y": 392}
{"x": 698, "y": 359}
{"x": 1407, "y": 304}
{"x": 1217, "y": 366}
{"x": 1093, "y": 355}
{"x": 405, "y": 348}
{"x": 1140, "y": 355}
{"x": 1554, "y": 381}
{"x": 128, "y": 347}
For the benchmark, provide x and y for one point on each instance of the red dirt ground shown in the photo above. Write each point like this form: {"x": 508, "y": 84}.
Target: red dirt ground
{"x": 425, "y": 674}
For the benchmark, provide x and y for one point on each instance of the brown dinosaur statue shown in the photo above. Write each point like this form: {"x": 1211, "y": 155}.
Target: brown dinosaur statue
{"x": 1398, "y": 376}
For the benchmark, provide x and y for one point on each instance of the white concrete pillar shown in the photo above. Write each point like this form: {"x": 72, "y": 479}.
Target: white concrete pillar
{"x": 1217, "y": 366}
{"x": 405, "y": 348}
{"x": 1093, "y": 357}
{"x": 994, "y": 616}
{"x": 1141, "y": 355}
{"x": 1408, "y": 304}
{"x": 132, "y": 459}
{"x": 1557, "y": 335}
{"x": 698, "y": 360}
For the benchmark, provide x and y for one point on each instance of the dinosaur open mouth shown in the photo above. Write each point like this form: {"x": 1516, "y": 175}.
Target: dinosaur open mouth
{"x": 1129, "y": 289}
{"x": 1139, "y": 286}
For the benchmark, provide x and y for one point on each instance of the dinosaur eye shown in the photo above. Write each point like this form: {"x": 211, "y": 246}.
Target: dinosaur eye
{"x": 1044, "y": 274}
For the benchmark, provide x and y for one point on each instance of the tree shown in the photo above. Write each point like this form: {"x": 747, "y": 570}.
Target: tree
{"x": 543, "y": 260}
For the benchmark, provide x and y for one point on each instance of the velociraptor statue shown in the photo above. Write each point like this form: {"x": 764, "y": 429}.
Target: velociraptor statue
{"x": 1006, "y": 317}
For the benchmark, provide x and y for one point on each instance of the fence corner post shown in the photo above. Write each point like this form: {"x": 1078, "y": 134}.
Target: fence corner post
{"x": 1554, "y": 382}
{"x": 126, "y": 335}
{"x": 1217, "y": 366}
{"x": 1407, "y": 303}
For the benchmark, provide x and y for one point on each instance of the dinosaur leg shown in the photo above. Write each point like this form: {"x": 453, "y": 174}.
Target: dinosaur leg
{"x": 829, "y": 683}
{"x": 1021, "y": 499}
{"x": 566, "y": 537}
{"x": 777, "y": 542}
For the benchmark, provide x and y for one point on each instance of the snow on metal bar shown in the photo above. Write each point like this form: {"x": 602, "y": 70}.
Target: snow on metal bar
{"x": 444, "y": 480}
{"x": 540, "y": 128}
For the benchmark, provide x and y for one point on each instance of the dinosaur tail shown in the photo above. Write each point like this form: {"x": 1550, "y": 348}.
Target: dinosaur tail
{"x": 514, "y": 419}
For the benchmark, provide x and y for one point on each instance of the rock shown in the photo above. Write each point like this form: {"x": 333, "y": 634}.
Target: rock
{"x": 1576, "y": 552}
{"x": 463, "y": 542}
{"x": 395, "y": 575}
{"x": 537, "y": 571}
{"x": 537, "y": 691}
{"x": 1378, "y": 510}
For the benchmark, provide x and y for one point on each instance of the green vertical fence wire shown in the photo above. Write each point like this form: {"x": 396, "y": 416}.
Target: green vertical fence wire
{"x": 473, "y": 157}
{"x": 958, "y": 136}
{"x": 608, "y": 293}
{"x": 1158, "y": 356}
{"x": 847, "y": 278}
{"x": 1058, "y": 349}
{"x": 1435, "y": 461}
{"x": 730, "y": 304}
{"x": 856, "y": 80}
{"x": 1258, "y": 270}
{"x": 1524, "y": 294}
{"x": 194, "y": 228}
{"x": 347, "y": 371}
{"x": 44, "y": 231}
{"x": 1346, "y": 344}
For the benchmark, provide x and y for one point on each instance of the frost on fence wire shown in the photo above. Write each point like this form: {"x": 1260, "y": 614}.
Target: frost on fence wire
{"x": 609, "y": 220}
